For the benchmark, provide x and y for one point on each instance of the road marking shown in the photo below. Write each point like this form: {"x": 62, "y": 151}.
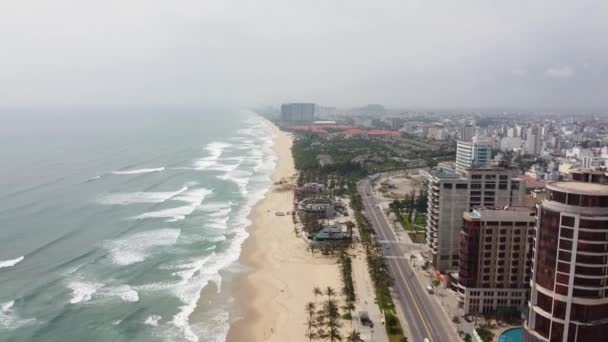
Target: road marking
{"x": 407, "y": 286}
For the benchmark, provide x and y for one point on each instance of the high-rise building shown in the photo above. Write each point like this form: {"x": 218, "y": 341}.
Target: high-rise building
{"x": 397, "y": 123}
{"x": 495, "y": 259}
{"x": 533, "y": 141}
{"x": 467, "y": 132}
{"x": 472, "y": 154}
{"x": 569, "y": 286}
{"x": 451, "y": 194}
{"x": 298, "y": 113}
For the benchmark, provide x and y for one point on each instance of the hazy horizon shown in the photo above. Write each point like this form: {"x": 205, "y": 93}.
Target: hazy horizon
{"x": 68, "y": 55}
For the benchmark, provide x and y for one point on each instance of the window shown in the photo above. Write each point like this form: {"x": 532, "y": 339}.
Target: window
{"x": 447, "y": 185}
{"x": 567, "y": 221}
{"x": 462, "y": 186}
{"x": 476, "y": 176}
{"x": 490, "y": 186}
{"x": 504, "y": 177}
{"x": 514, "y": 185}
{"x": 475, "y": 186}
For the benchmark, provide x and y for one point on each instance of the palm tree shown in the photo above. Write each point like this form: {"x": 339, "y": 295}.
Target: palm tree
{"x": 329, "y": 291}
{"x": 334, "y": 334}
{"x": 310, "y": 334}
{"x": 317, "y": 291}
{"x": 310, "y": 309}
{"x": 354, "y": 336}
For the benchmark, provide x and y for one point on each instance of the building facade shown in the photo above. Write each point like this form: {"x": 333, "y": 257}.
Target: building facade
{"x": 472, "y": 154}
{"x": 495, "y": 259}
{"x": 569, "y": 285}
{"x": 298, "y": 113}
{"x": 451, "y": 194}
{"x": 467, "y": 132}
{"x": 533, "y": 141}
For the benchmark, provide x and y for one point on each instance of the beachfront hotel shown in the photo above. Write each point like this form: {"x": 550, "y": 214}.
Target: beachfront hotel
{"x": 450, "y": 194}
{"x": 569, "y": 285}
{"x": 495, "y": 259}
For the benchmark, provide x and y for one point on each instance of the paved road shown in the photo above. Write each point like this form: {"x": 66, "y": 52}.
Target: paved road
{"x": 422, "y": 313}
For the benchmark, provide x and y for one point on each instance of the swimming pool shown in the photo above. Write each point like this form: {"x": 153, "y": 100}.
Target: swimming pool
{"x": 511, "y": 335}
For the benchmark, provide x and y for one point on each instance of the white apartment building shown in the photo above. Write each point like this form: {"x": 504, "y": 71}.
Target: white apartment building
{"x": 472, "y": 154}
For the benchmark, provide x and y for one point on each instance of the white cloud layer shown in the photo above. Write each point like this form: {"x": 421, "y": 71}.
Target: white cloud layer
{"x": 191, "y": 53}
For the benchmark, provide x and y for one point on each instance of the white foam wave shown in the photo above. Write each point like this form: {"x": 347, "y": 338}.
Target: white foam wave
{"x": 82, "y": 291}
{"x": 220, "y": 212}
{"x": 215, "y": 150}
{"x": 218, "y": 223}
{"x": 135, "y": 248}
{"x": 215, "y": 206}
{"x": 93, "y": 179}
{"x": 126, "y": 293}
{"x": 125, "y": 198}
{"x": 239, "y": 177}
{"x": 9, "y": 318}
{"x": 194, "y": 198}
{"x": 11, "y": 263}
{"x": 153, "y": 320}
{"x": 138, "y": 171}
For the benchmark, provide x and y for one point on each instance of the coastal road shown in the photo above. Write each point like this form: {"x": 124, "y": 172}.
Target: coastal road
{"x": 419, "y": 309}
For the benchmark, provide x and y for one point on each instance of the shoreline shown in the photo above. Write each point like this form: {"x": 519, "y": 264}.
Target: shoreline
{"x": 281, "y": 272}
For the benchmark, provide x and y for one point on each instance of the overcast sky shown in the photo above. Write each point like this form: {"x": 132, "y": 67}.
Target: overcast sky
{"x": 191, "y": 53}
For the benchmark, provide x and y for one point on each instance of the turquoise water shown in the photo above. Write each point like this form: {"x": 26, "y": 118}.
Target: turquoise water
{"x": 511, "y": 335}
{"x": 111, "y": 225}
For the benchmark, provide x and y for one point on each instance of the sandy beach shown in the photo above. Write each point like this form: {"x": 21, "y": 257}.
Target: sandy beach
{"x": 282, "y": 272}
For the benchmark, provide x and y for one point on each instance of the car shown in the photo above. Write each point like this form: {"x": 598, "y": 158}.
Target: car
{"x": 429, "y": 289}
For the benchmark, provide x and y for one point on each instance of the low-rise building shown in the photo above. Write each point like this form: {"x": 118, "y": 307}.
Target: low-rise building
{"x": 322, "y": 207}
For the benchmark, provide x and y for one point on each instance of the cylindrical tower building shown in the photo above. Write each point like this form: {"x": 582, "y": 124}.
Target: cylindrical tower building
{"x": 569, "y": 284}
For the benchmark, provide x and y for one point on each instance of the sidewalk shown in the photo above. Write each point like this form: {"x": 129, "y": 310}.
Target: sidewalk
{"x": 364, "y": 290}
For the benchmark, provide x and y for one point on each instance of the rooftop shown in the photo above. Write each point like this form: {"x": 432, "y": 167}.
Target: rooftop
{"x": 510, "y": 214}
{"x": 580, "y": 187}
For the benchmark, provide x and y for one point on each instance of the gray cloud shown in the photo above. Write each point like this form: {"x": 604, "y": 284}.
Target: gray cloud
{"x": 191, "y": 53}
{"x": 563, "y": 71}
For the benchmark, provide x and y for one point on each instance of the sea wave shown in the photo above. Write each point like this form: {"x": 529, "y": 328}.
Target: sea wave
{"x": 136, "y": 247}
{"x": 126, "y": 198}
{"x": 9, "y": 319}
{"x": 125, "y": 292}
{"x": 11, "y": 263}
{"x": 215, "y": 150}
{"x": 194, "y": 198}
{"x": 138, "y": 171}
{"x": 82, "y": 291}
{"x": 152, "y": 320}
{"x": 239, "y": 177}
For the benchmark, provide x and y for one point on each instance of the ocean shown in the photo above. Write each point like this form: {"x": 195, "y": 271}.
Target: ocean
{"x": 111, "y": 225}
